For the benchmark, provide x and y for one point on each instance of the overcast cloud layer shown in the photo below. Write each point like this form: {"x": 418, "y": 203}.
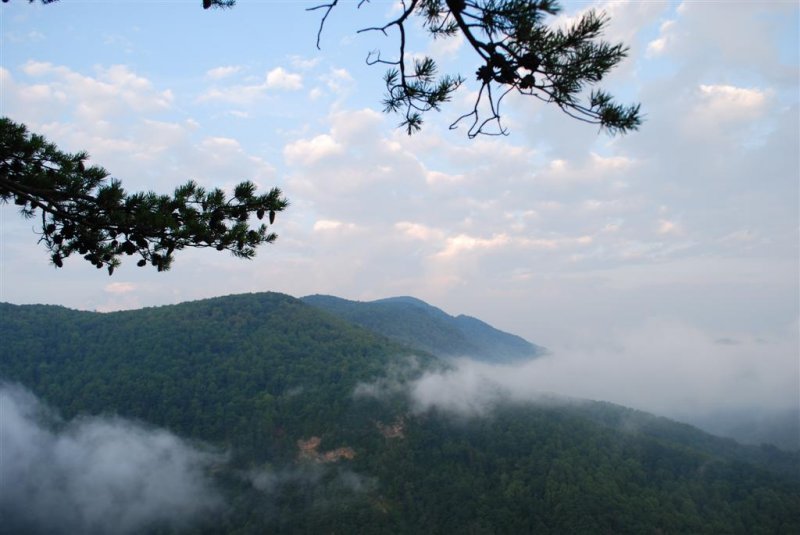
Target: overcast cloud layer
{"x": 96, "y": 475}
{"x": 685, "y": 232}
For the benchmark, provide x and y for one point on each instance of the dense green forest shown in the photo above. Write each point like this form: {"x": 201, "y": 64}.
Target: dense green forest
{"x": 241, "y": 370}
{"x": 270, "y": 380}
{"x": 415, "y": 323}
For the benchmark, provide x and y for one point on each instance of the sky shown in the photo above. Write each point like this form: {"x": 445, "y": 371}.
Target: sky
{"x": 666, "y": 258}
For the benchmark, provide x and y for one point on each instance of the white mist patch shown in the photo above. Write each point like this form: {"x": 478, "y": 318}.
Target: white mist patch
{"x": 471, "y": 388}
{"x": 96, "y": 475}
{"x": 321, "y": 486}
{"x": 665, "y": 367}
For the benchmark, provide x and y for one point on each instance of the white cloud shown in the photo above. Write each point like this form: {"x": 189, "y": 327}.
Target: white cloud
{"x": 120, "y": 287}
{"x": 115, "y": 90}
{"x": 726, "y": 102}
{"x": 39, "y": 68}
{"x": 280, "y": 78}
{"x": 464, "y": 243}
{"x": 311, "y": 151}
{"x": 446, "y": 48}
{"x": 563, "y": 173}
{"x": 326, "y": 225}
{"x": 437, "y": 177}
{"x": 553, "y": 243}
{"x": 417, "y": 231}
{"x": 723, "y": 114}
{"x": 629, "y": 17}
{"x": 304, "y": 64}
{"x": 245, "y": 95}
{"x": 611, "y": 163}
{"x": 661, "y": 43}
{"x": 127, "y": 124}
{"x": 338, "y": 80}
{"x": 220, "y": 143}
{"x": 218, "y": 73}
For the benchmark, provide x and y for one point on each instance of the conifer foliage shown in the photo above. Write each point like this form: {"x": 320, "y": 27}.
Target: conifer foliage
{"x": 518, "y": 53}
{"x": 82, "y": 210}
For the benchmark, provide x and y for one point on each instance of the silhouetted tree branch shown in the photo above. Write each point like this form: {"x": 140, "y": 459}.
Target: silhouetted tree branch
{"x": 518, "y": 53}
{"x": 81, "y": 210}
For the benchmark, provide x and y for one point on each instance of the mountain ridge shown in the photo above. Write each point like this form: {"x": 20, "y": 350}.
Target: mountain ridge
{"x": 414, "y": 322}
{"x": 325, "y": 411}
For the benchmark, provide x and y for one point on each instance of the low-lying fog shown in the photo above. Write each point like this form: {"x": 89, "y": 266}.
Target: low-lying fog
{"x": 746, "y": 388}
{"x": 89, "y": 474}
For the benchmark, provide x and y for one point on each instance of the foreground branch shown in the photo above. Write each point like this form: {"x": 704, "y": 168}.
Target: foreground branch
{"x": 518, "y": 53}
{"x": 83, "y": 211}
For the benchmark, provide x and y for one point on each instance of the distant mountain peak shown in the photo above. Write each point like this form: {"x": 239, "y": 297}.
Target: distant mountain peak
{"x": 404, "y": 299}
{"x": 418, "y": 324}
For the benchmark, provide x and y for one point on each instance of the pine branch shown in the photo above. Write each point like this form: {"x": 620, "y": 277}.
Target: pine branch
{"x": 84, "y": 211}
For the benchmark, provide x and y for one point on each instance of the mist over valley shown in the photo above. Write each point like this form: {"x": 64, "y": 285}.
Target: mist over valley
{"x": 275, "y": 413}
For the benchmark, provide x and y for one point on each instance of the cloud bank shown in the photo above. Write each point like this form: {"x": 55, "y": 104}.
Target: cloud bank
{"x": 662, "y": 366}
{"x": 666, "y": 367}
{"x": 96, "y": 475}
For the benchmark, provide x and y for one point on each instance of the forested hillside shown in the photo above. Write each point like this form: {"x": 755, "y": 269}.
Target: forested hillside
{"x": 316, "y": 441}
{"x": 259, "y": 366}
{"x": 417, "y": 324}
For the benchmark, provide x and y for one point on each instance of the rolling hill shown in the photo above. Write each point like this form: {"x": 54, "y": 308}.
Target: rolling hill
{"x": 320, "y": 431}
{"x": 415, "y": 323}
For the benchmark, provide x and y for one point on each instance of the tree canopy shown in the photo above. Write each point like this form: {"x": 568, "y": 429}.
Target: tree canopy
{"x": 263, "y": 376}
{"x": 83, "y": 210}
